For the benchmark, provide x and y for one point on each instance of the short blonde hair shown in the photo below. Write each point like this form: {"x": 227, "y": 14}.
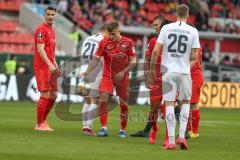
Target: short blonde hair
{"x": 183, "y": 11}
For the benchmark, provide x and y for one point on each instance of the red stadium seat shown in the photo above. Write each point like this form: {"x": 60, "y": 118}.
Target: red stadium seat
{"x": 4, "y": 37}
{"x": 151, "y": 16}
{"x": 161, "y": 7}
{"x": 10, "y": 5}
{"x": 122, "y": 4}
{"x": 1, "y": 48}
{"x": 152, "y": 7}
{"x": 171, "y": 17}
{"x": 192, "y": 20}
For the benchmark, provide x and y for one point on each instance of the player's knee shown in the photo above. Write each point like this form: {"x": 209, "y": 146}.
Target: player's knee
{"x": 169, "y": 103}
{"x": 53, "y": 95}
{"x": 185, "y": 101}
{"x": 45, "y": 94}
{"x": 194, "y": 106}
{"x": 87, "y": 100}
{"x": 94, "y": 100}
{"x": 104, "y": 97}
{"x": 155, "y": 104}
{"x": 123, "y": 102}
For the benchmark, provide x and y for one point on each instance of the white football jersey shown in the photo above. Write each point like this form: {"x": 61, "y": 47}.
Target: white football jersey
{"x": 178, "y": 39}
{"x": 89, "y": 49}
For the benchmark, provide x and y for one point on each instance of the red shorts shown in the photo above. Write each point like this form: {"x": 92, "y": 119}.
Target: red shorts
{"x": 122, "y": 88}
{"x": 45, "y": 81}
{"x": 196, "y": 90}
{"x": 156, "y": 91}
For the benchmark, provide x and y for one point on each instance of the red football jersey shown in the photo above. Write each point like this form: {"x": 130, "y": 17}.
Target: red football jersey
{"x": 149, "y": 51}
{"x": 196, "y": 71}
{"x": 116, "y": 55}
{"x": 44, "y": 34}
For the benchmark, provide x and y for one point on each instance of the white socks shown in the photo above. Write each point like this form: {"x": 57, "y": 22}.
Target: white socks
{"x": 84, "y": 115}
{"x": 171, "y": 123}
{"x": 91, "y": 114}
{"x": 183, "y": 119}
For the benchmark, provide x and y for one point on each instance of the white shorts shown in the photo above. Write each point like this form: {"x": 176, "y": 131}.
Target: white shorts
{"x": 93, "y": 80}
{"x": 174, "y": 83}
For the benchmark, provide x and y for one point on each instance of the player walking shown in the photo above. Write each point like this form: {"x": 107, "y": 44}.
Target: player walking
{"x": 197, "y": 82}
{"x": 45, "y": 68}
{"x": 180, "y": 43}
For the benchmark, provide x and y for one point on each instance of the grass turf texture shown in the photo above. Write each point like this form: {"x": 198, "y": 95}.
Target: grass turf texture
{"x": 219, "y": 137}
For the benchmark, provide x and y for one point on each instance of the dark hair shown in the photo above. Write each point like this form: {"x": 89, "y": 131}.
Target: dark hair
{"x": 166, "y": 21}
{"x": 104, "y": 27}
{"x": 112, "y": 25}
{"x": 182, "y": 11}
{"x": 50, "y": 8}
{"x": 160, "y": 16}
{"x": 12, "y": 56}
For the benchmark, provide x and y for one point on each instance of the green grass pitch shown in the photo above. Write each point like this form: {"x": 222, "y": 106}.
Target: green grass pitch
{"x": 219, "y": 137}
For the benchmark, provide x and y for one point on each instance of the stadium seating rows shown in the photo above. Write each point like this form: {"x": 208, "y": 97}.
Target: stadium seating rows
{"x": 19, "y": 38}
{"x": 16, "y": 49}
{"x": 13, "y": 41}
{"x": 10, "y": 5}
{"x": 8, "y": 26}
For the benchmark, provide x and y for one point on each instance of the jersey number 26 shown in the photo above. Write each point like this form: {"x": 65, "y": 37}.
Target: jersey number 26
{"x": 181, "y": 46}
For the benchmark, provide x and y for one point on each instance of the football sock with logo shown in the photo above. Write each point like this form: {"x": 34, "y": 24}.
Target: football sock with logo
{"x": 183, "y": 119}
{"x": 84, "y": 114}
{"x": 171, "y": 122}
{"x": 91, "y": 114}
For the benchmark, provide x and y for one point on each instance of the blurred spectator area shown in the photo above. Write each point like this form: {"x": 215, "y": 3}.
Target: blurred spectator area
{"x": 11, "y": 5}
{"x": 13, "y": 37}
{"x": 214, "y": 15}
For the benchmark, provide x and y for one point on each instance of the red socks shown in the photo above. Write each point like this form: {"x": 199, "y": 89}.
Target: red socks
{"x": 41, "y": 108}
{"x": 49, "y": 107}
{"x": 124, "y": 116}
{"x": 189, "y": 124}
{"x": 103, "y": 113}
{"x": 163, "y": 110}
{"x": 166, "y": 134}
{"x": 195, "y": 120}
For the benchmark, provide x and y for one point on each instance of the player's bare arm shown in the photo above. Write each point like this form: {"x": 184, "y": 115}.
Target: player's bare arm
{"x": 146, "y": 68}
{"x": 92, "y": 65}
{"x": 154, "y": 57}
{"x": 119, "y": 76}
{"x": 41, "y": 51}
{"x": 194, "y": 57}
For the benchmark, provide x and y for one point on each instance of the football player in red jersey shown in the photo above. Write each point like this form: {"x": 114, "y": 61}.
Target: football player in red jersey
{"x": 156, "y": 87}
{"x": 119, "y": 58}
{"x": 45, "y": 68}
{"x": 197, "y": 83}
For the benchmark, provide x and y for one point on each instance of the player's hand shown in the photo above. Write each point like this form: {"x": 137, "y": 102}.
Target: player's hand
{"x": 82, "y": 74}
{"x": 52, "y": 68}
{"x": 119, "y": 76}
{"x": 58, "y": 72}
